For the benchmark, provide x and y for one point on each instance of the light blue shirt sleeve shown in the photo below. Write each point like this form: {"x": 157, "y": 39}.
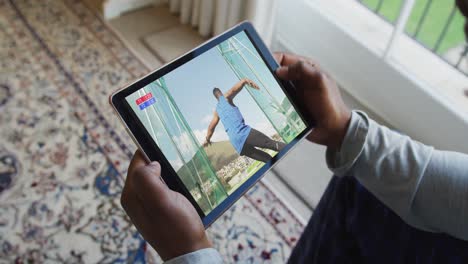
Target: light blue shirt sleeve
{"x": 427, "y": 188}
{"x": 202, "y": 256}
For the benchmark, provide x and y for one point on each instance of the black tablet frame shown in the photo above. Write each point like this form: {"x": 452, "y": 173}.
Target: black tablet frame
{"x": 147, "y": 145}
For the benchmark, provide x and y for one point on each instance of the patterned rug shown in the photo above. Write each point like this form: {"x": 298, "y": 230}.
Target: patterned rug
{"x": 64, "y": 154}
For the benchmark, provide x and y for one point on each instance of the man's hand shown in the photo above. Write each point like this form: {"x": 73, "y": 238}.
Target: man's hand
{"x": 166, "y": 219}
{"x": 206, "y": 143}
{"x": 321, "y": 97}
{"x": 252, "y": 84}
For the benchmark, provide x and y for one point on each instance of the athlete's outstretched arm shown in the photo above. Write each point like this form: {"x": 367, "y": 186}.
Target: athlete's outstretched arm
{"x": 211, "y": 128}
{"x": 238, "y": 87}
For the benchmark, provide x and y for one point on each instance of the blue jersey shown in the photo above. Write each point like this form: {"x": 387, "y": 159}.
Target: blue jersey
{"x": 233, "y": 122}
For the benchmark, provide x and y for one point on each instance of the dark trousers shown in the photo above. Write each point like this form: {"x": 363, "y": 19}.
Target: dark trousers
{"x": 257, "y": 139}
{"x": 350, "y": 225}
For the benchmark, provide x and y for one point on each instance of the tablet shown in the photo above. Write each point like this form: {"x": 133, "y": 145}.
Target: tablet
{"x": 216, "y": 118}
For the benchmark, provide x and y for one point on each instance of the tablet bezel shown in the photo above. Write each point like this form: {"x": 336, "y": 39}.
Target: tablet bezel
{"x": 147, "y": 145}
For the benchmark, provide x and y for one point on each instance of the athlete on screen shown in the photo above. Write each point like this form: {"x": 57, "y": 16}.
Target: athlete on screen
{"x": 243, "y": 138}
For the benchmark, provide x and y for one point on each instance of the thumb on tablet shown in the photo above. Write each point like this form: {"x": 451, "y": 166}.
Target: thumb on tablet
{"x": 146, "y": 180}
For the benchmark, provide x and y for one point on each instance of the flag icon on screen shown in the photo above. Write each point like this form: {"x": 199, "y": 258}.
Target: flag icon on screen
{"x": 145, "y": 101}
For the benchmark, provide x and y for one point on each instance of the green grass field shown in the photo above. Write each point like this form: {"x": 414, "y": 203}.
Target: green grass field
{"x": 433, "y": 25}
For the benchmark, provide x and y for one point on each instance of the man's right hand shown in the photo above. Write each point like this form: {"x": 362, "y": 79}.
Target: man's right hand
{"x": 321, "y": 97}
{"x": 252, "y": 84}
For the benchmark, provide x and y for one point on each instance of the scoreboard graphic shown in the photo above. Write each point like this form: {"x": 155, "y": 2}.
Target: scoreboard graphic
{"x": 145, "y": 101}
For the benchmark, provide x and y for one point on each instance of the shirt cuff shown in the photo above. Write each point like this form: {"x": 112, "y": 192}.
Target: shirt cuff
{"x": 340, "y": 162}
{"x": 205, "y": 256}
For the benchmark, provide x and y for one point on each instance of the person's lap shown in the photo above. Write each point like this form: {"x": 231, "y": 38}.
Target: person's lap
{"x": 350, "y": 225}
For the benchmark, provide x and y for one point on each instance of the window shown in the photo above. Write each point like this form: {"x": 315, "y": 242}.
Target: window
{"x": 436, "y": 24}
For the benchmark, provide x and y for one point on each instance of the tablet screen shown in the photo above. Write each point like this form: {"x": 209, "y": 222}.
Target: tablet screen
{"x": 218, "y": 118}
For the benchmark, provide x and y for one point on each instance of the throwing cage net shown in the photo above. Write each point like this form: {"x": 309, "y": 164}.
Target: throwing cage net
{"x": 244, "y": 60}
{"x": 174, "y": 136}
